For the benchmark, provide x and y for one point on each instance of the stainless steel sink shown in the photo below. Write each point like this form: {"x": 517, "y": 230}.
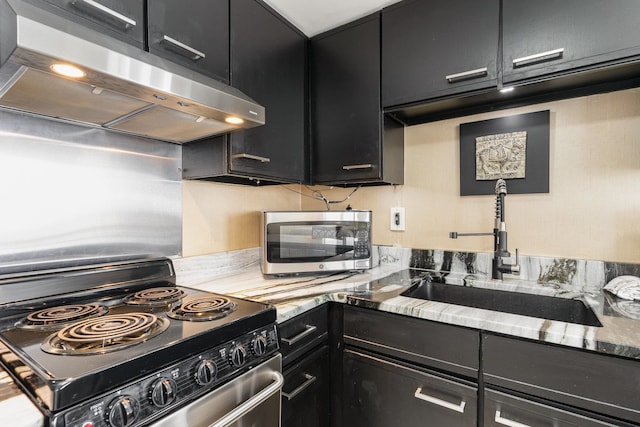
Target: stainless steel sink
{"x": 541, "y": 306}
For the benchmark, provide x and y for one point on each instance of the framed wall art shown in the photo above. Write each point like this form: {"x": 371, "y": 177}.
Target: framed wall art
{"x": 515, "y": 148}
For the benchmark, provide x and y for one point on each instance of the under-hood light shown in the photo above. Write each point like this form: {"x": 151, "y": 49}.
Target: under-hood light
{"x": 68, "y": 70}
{"x": 232, "y": 120}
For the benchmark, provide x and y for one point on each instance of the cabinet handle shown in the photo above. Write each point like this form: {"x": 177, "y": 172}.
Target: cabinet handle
{"x": 310, "y": 380}
{"x": 251, "y": 157}
{"x": 94, "y": 5}
{"x": 308, "y": 329}
{"x": 440, "y": 402}
{"x": 507, "y": 422}
{"x": 467, "y": 75}
{"x": 538, "y": 57}
{"x": 362, "y": 166}
{"x": 194, "y": 54}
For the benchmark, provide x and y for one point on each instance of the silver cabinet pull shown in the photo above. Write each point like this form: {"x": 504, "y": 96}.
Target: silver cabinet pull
{"x": 105, "y": 10}
{"x": 538, "y": 57}
{"x": 310, "y": 380}
{"x": 255, "y": 400}
{"x": 194, "y": 54}
{"x": 458, "y": 408}
{"x": 308, "y": 329}
{"x": 507, "y": 422}
{"x": 251, "y": 157}
{"x": 467, "y": 75}
{"x": 353, "y": 167}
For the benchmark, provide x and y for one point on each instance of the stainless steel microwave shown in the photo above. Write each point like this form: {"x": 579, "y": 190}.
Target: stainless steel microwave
{"x": 315, "y": 241}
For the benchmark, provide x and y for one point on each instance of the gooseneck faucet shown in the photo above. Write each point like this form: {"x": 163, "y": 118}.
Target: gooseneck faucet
{"x": 500, "y": 251}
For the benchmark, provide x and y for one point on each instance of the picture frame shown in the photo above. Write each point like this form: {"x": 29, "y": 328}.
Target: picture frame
{"x": 534, "y": 161}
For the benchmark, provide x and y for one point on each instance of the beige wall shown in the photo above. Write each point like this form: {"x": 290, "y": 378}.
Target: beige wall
{"x": 225, "y": 217}
{"x": 591, "y": 212}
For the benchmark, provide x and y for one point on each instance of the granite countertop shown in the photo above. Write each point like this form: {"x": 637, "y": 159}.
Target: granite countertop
{"x": 380, "y": 289}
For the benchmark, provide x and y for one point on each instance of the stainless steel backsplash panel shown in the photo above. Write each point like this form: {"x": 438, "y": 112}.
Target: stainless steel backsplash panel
{"x": 72, "y": 195}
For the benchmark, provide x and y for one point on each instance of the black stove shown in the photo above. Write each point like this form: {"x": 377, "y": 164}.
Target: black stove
{"x": 121, "y": 344}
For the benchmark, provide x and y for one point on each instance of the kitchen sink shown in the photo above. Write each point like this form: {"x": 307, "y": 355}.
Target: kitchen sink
{"x": 541, "y": 306}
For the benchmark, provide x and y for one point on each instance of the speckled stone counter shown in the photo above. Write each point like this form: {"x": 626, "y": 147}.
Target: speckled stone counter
{"x": 399, "y": 269}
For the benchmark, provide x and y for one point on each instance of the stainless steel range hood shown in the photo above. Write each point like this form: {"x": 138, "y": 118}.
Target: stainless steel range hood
{"x": 123, "y": 88}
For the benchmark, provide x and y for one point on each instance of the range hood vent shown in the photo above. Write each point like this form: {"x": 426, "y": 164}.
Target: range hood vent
{"x": 123, "y": 88}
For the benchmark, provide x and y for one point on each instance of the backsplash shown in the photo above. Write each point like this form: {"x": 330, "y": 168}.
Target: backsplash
{"x": 459, "y": 267}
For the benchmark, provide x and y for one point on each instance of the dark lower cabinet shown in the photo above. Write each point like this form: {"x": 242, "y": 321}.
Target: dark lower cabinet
{"x": 379, "y": 392}
{"x": 306, "y": 365}
{"x": 503, "y": 409}
{"x": 305, "y": 396}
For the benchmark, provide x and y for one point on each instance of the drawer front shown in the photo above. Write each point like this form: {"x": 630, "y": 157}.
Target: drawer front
{"x": 603, "y": 384}
{"x": 437, "y": 345}
{"x": 305, "y": 394}
{"x": 302, "y": 333}
{"x": 381, "y": 393}
{"x": 502, "y": 409}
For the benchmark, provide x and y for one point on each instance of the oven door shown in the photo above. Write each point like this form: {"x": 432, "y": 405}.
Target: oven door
{"x": 249, "y": 400}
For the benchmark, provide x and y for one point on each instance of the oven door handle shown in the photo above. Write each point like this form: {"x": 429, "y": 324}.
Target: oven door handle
{"x": 247, "y": 406}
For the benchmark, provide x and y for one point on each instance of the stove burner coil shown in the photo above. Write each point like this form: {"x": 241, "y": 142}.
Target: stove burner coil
{"x": 155, "y": 296}
{"x": 203, "y": 309}
{"x": 105, "y": 334}
{"x": 54, "y": 317}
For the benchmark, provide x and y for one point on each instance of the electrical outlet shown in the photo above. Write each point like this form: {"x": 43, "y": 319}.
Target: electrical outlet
{"x": 397, "y": 219}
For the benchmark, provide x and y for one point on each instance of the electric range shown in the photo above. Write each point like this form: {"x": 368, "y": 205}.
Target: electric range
{"x": 121, "y": 345}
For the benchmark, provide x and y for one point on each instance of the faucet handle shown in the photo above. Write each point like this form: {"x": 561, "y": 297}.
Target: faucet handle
{"x": 515, "y": 268}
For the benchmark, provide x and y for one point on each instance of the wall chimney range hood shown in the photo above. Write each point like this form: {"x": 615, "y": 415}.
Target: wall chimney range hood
{"x": 120, "y": 87}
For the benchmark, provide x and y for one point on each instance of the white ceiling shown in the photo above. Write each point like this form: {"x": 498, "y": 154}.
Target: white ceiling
{"x": 316, "y": 16}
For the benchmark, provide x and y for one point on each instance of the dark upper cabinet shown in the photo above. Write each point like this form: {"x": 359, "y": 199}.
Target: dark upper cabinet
{"x": 268, "y": 62}
{"x": 351, "y": 142}
{"x": 122, "y": 19}
{"x": 550, "y": 37}
{"x": 438, "y": 48}
{"x": 193, "y": 34}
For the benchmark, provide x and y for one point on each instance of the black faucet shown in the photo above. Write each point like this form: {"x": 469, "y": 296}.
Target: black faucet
{"x": 500, "y": 251}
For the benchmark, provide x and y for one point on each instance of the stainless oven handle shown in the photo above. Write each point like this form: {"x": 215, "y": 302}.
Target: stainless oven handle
{"x": 308, "y": 329}
{"x": 247, "y": 406}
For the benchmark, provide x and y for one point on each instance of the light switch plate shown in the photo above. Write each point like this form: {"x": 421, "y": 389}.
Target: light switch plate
{"x": 397, "y": 219}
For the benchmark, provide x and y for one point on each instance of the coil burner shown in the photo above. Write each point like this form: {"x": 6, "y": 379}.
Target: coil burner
{"x": 105, "y": 334}
{"x": 203, "y": 309}
{"x": 155, "y": 296}
{"x": 55, "y": 317}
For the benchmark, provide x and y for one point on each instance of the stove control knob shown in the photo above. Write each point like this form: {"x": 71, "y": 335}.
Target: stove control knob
{"x": 163, "y": 392}
{"x": 122, "y": 412}
{"x": 259, "y": 345}
{"x": 238, "y": 355}
{"x": 206, "y": 372}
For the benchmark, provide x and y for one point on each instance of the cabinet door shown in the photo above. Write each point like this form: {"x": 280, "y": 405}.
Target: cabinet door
{"x": 123, "y": 19}
{"x": 439, "y": 47}
{"x": 501, "y": 409}
{"x": 305, "y": 394}
{"x": 194, "y": 34}
{"x": 269, "y": 64}
{"x": 346, "y": 119}
{"x": 381, "y": 393}
{"x": 549, "y": 37}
